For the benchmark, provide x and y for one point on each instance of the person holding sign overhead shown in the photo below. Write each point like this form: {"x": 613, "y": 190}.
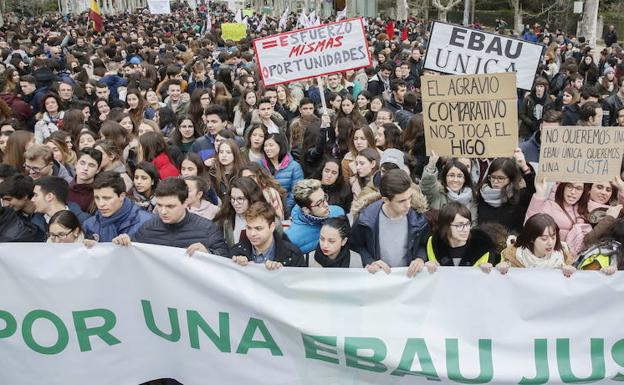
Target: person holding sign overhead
{"x": 568, "y": 209}
{"x": 454, "y": 185}
{"x": 502, "y": 198}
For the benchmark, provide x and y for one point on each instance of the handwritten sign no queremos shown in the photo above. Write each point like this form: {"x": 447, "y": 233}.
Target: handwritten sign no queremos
{"x": 473, "y": 116}
{"x": 581, "y": 154}
{"x": 312, "y": 52}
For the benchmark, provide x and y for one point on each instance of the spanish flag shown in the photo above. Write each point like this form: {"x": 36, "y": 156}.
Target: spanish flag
{"x": 95, "y": 16}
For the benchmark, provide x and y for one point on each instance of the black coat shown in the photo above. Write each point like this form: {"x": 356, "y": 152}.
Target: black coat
{"x": 15, "y": 228}
{"x": 286, "y": 253}
{"x": 511, "y": 214}
{"x": 343, "y": 259}
{"x": 478, "y": 244}
{"x": 192, "y": 229}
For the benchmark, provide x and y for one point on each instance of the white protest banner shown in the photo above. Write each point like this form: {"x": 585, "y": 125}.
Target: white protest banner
{"x": 473, "y": 116}
{"x": 159, "y": 7}
{"x": 459, "y": 50}
{"x": 114, "y": 315}
{"x": 581, "y": 153}
{"x": 312, "y": 52}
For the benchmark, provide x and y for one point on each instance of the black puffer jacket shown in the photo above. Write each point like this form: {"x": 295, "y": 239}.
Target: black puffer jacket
{"x": 286, "y": 253}
{"x": 13, "y": 228}
{"x": 192, "y": 229}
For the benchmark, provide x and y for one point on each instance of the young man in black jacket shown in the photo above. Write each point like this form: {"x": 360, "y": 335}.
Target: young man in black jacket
{"x": 263, "y": 244}
{"x": 175, "y": 226}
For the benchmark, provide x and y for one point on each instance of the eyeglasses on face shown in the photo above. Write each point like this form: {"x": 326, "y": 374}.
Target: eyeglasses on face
{"x": 239, "y": 200}
{"x": 321, "y": 202}
{"x": 34, "y": 169}
{"x": 60, "y": 236}
{"x": 461, "y": 226}
{"x": 495, "y": 178}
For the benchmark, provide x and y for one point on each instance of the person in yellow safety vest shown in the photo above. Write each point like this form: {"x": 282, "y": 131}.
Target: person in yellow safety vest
{"x": 455, "y": 243}
{"x": 538, "y": 246}
{"x": 607, "y": 255}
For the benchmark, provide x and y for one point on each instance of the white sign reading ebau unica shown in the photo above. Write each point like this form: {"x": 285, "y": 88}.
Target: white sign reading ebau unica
{"x": 459, "y": 50}
{"x": 311, "y": 52}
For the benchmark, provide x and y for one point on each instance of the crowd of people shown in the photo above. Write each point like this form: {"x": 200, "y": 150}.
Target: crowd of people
{"x": 158, "y": 131}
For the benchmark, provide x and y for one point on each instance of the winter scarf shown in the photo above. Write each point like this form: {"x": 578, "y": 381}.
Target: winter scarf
{"x": 464, "y": 196}
{"x": 554, "y": 260}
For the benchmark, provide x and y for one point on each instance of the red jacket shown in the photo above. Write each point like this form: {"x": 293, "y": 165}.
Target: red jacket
{"x": 165, "y": 166}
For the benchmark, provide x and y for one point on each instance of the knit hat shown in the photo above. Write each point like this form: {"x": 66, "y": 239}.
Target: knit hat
{"x": 394, "y": 156}
{"x": 609, "y": 70}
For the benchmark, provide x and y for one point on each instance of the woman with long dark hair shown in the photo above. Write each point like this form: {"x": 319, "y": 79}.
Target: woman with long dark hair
{"x": 280, "y": 164}
{"x": 538, "y": 245}
{"x": 242, "y": 193}
{"x": 454, "y": 242}
{"x": 333, "y": 183}
{"x": 502, "y": 198}
{"x": 153, "y": 148}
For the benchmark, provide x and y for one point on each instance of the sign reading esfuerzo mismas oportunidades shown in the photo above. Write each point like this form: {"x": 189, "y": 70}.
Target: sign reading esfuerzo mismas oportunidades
{"x": 311, "y": 52}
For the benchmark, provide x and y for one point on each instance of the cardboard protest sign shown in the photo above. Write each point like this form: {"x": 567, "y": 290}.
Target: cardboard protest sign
{"x": 233, "y": 31}
{"x": 311, "y": 52}
{"x": 581, "y": 154}
{"x": 459, "y": 50}
{"x": 473, "y": 116}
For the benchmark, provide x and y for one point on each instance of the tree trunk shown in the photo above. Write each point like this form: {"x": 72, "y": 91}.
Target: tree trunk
{"x": 401, "y": 10}
{"x": 589, "y": 21}
{"x": 518, "y": 24}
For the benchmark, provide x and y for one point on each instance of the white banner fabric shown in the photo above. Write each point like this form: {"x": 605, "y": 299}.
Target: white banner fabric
{"x": 311, "y": 52}
{"x": 458, "y": 50}
{"x": 159, "y": 7}
{"x": 114, "y": 315}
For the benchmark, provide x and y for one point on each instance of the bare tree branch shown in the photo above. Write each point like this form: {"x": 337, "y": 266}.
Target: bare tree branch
{"x": 448, "y": 6}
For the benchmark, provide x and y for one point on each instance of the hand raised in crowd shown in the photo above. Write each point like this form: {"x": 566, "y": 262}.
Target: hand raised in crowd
{"x": 503, "y": 267}
{"x": 209, "y": 162}
{"x": 272, "y": 265}
{"x": 240, "y": 260}
{"x": 520, "y": 160}
{"x": 568, "y": 270}
{"x": 618, "y": 182}
{"x": 540, "y": 187}
{"x": 378, "y": 265}
{"x": 122, "y": 240}
{"x": 486, "y": 267}
{"x": 195, "y": 247}
{"x": 433, "y": 160}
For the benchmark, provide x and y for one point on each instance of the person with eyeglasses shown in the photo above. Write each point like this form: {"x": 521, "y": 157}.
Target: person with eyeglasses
{"x": 311, "y": 209}
{"x": 65, "y": 227}
{"x": 454, "y": 185}
{"x": 454, "y": 241}
{"x": 39, "y": 162}
{"x": 569, "y": 209}
{"x": 242, "y": 193}
{"x": 505, "y": 192}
